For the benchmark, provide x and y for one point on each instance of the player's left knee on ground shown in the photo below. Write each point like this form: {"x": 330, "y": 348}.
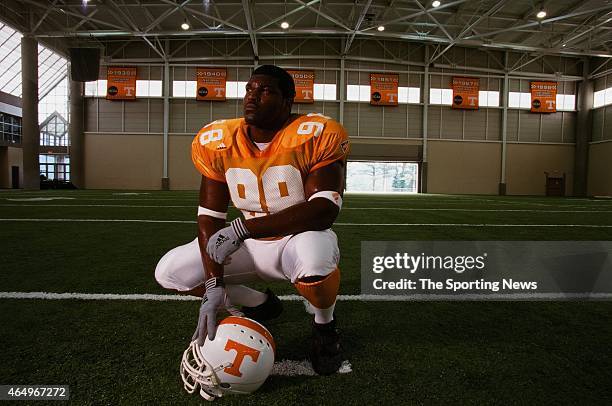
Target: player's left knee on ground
{"x": 320, "y": 291}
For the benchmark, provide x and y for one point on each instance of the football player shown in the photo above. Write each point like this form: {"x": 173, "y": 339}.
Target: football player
{"x": 285, "y": 173}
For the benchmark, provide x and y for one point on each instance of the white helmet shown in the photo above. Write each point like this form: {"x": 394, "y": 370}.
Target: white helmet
{"x": 238, "y": 360}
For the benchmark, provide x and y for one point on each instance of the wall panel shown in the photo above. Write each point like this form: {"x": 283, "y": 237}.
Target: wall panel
{"x": 123, "y": 161}
{"x": 600, "y": 169}
{"x": 111, "y": 116}
{"x": 136, "y": 115}
{"x": 527, "y": 164}
{"x": 452, "y": 123}
{"x": 463, "y": 167}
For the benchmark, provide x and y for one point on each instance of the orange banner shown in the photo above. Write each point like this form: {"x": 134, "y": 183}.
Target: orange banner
{"x": 383, "y": 89}
{"x": 121, "y": 83}
{"x": 465, "y": 93}
{"x": 211, "y": 84}
{"x": 543, "y": 97}
{"x": 304, "y": 85}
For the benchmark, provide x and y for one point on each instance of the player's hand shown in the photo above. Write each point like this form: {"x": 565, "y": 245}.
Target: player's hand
{"x": 226, "y": 241}
{"x": 213, "y": 300}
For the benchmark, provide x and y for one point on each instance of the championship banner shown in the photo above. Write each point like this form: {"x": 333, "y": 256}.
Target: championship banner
{"x": 543, "y": 97}
{"x": 304, "y": 85}
{"x": 211, "y": 84}
{"x": 465, "y": 93}
{"x": 121, "y": 83}
{"x": 383, "y": 89}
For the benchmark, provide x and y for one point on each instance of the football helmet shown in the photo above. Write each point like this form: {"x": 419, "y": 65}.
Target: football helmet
{"x": 237, "y": 361}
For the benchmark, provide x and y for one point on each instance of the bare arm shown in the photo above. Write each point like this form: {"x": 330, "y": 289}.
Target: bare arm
{"x": 214, "y": 196}
{"x": 316, "y": 214}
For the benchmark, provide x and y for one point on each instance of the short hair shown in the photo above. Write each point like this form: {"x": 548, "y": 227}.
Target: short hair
{"x": 285, "y": 81}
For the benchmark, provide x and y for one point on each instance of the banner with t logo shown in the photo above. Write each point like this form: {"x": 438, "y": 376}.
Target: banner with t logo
{"x": 465, "y": 93}
{"x": 211, "y": 84}
{"x": 383, "y": 89}
{"x": 304, "y": 85}
{"x": 121, "y": 83}
{"x": 543, "y": 97}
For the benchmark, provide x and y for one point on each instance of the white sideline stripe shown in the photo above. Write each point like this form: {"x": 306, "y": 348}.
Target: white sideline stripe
{"x": 103, "y": 220}
{"x": 297, "y": 298}
{"x": 344, "y": 208}
{"x": 289, "y": 367}
{"x": 96, "y": 205}
{"x": 335, "y": 224}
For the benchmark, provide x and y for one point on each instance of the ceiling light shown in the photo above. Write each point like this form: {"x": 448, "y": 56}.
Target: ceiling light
{"x": 284, "y": 25}
{"x": 381, "y": 28}
{"x": 185, "y": 25}
{"x": 435, "y": 4}
{"x": 541, "y": 13}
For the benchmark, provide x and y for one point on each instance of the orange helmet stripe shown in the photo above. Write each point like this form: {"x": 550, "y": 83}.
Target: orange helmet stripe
{"x": 253, "y": 325}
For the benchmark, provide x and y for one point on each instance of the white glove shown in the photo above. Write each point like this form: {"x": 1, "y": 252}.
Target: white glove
{"x": 226, "y": 241}
{"x": 214, "y": 299}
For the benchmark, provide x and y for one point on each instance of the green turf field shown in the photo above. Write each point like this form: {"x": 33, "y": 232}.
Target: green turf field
{"x": 127, "y": 352}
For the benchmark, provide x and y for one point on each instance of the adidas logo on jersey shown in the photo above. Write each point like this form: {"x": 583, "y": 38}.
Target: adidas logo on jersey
{"x": 221, "y": 146}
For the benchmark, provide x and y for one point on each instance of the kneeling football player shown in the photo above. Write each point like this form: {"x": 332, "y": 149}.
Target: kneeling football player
{"x": 285, "y": 173}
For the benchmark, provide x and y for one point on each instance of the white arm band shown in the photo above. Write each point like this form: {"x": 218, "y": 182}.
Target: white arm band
{"x": 331, "y": 195}
{"x": 203, "y": 211}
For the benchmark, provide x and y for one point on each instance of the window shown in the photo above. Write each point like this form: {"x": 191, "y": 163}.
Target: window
{"x": 324, "y": 91}
{"x": 441, "y": 96}
{"x": 184, "y": 88}
{"x": 602, "y": 97}
{"x": 55, "y": 101}
{"x": 516, "y": 100}
{"x": 488, "y": 98}
{"x": 519, "y": 100}
{"x": 54, "y": 131}
{"x": 235, "y": 90}
{"x": 10, "y": 128}
{"x": 566, "y": 102}
{"x": 51, "y": 66}
{"x": 410, "y": 95}
{"x": 148, "y": 88}
{"x": 382, "y": 177}
{"x": 358, "y": 93}
{"x": 599, "y": 98}
{"x": 144, "y": 88}
{"x": 54, "y": 166}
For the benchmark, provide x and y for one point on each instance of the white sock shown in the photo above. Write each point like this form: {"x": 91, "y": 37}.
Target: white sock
{"x": 245, "y": 296}
{"x": 323, "y": 316}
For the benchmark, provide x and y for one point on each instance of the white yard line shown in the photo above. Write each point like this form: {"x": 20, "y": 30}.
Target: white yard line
{"x": 335, "y": 224}
{"x": 590, "y": 210}
{"x": 296, "y": 298}
{"x": 100, "y": 205}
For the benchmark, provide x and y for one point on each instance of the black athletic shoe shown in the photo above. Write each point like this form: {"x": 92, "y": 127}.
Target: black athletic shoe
{"x": 268, "y": 310}
{"x": 326, "y": 351}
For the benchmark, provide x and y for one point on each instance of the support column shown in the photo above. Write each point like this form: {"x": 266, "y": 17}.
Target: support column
{"x": 165, "y": 181}
{"x": 423, "y": 182}
{"x": 30, "y": 128}
{"x": 342, "y": 91}
{"x": 504, "y": 123}
{"x": 584, "y": 131}
{"x": 77, "y": 135}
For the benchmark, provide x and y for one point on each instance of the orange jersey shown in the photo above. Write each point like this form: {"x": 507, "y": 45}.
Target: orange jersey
{"x": 264, "y": 182}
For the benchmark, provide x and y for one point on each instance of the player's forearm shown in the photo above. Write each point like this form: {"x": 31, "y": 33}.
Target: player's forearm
{"x": 316, "y": 214}
{"x": 207, "y": 226}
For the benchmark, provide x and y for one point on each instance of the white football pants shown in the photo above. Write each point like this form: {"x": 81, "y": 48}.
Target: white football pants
{"x": 311, "y": 253}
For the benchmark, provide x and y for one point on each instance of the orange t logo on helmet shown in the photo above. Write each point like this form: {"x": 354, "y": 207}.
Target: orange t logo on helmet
{"x": 241, "y": 352}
